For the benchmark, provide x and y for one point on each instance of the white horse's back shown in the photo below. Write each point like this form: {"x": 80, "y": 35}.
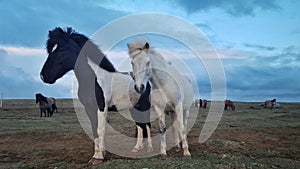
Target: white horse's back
{"x": 171, "y": 80}
{"x": 111, "y": 83}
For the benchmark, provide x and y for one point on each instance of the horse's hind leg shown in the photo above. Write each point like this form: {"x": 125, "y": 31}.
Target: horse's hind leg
{"x": 49, "y": 112}
{"x": 162, "y": 130}
{"x": 182, "y": 128}
{"x": 175, "y": 126}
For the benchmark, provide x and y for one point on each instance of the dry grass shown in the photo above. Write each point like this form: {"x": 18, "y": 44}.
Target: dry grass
{"x": 250, "y": 137}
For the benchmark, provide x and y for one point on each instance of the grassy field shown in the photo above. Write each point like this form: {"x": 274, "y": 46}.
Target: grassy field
{"x": 250, "y": 137}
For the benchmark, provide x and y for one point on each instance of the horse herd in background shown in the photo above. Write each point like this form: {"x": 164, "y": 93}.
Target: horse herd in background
{"x": 203, "y": 104}
{"x": 229, "y": 105}
{"x": 101, "y": 88}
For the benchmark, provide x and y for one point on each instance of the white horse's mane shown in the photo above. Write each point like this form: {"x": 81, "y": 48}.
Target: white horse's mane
{"x": 156, "y": 54}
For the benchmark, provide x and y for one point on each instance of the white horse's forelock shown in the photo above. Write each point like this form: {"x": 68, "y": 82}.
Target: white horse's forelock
{"x": 137, "y": 46}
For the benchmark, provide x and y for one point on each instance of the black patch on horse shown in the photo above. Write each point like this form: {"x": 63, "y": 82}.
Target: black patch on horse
{"x": 141, "y": 111}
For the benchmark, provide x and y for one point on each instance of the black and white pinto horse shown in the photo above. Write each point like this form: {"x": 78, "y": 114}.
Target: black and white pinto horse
{"x": 99, "y": 92}
{"x": 47, "y": 105}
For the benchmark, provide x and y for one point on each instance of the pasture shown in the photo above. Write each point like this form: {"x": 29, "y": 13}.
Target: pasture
{"x": 250, "y": 137}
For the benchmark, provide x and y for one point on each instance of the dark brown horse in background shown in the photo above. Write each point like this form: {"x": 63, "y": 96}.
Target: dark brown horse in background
{"x": 270, "y": 103}
{"x": 47, "y": 105}
{"x": 229, "y": 103}
{"x": 200, "y": 103}
{"x": 204, "y": 104}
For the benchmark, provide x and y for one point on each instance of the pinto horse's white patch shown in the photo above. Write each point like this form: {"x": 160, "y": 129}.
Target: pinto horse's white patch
{"x": 54, "y": 48}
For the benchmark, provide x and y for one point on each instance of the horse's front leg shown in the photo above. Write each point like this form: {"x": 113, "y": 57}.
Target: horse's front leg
{"x": 162, "y": 130}
{"x": 182, "y": 130}
{"x": 150, "y": 146}
{"x": 99, "y": 142}
{"x": 139, "y": 142}
{"x": 175, "y": 127}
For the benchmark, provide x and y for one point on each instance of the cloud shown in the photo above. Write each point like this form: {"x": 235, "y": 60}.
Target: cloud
{"x": 232, "y": 7}
{"x": 22, "y": 51}
{"x": 264, "y": 77}
{"x": 181, "y": 7}
{"x": 205, "y": 27}
{"x": 19, "y": 74}
{"x": 16, "y": 83}
{"x": 27, "y": 23}
{"x": 270, "y": 48}
{"x": 256, "y": 83}
{"x": 2, "y": 52}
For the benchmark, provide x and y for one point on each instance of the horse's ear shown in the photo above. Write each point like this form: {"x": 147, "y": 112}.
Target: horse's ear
{"x": 147, "y": 46}
{"x": 50, "y": 33}
{"x": 60, "y": 30}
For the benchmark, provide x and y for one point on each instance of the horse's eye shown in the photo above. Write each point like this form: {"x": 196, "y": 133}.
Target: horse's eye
{"x": 148, "y": 63}
{"x": 140, "y": 48}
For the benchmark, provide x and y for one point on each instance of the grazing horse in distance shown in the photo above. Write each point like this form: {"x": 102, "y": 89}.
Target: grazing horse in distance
{"x": 204, "y": 104}
{"x": 176, "y": 90}
{"x": 229, "y": 103}
{"x": 198, "y": 103}
{"x": 270, "y": 103}
{"x": 47, "y": 105}
{"x": 100, "y": 87}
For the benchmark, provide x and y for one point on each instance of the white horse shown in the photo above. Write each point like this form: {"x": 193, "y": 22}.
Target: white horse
{"x": 149, "y": 65}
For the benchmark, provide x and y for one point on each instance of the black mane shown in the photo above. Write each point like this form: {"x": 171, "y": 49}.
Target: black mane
{"x": 39, "y": 97}
{"x": 58, "y": 35}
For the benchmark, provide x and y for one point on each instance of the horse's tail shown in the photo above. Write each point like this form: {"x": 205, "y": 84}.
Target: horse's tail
{"x": 54, "y": 107}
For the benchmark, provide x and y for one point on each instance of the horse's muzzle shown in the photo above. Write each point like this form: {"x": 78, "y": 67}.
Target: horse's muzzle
{"x": 46, "y": 79}
{"x": 140, "y": 89}
{"x": 42, "y": 77}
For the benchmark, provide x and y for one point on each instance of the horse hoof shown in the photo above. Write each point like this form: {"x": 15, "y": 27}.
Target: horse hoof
{"x": 150, "y": 149}
{"x": 91, "y": 161}
{"x": 177, "y": 149}
{"x": 97, "y": 161}
{"x": 188, "y": 154}
{"x": 162, "y": 156}
{"x": 134, "y": 150}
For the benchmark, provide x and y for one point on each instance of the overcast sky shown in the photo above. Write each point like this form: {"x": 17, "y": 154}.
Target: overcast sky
{"x": 257, "y": 41}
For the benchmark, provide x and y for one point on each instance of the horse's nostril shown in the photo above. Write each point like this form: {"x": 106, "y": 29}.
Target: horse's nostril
{"x": 142, "y": 88}
{"x": 136, "y": 89}
{"x": 42, "y": 77}
{"x": 139, "y": 89}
